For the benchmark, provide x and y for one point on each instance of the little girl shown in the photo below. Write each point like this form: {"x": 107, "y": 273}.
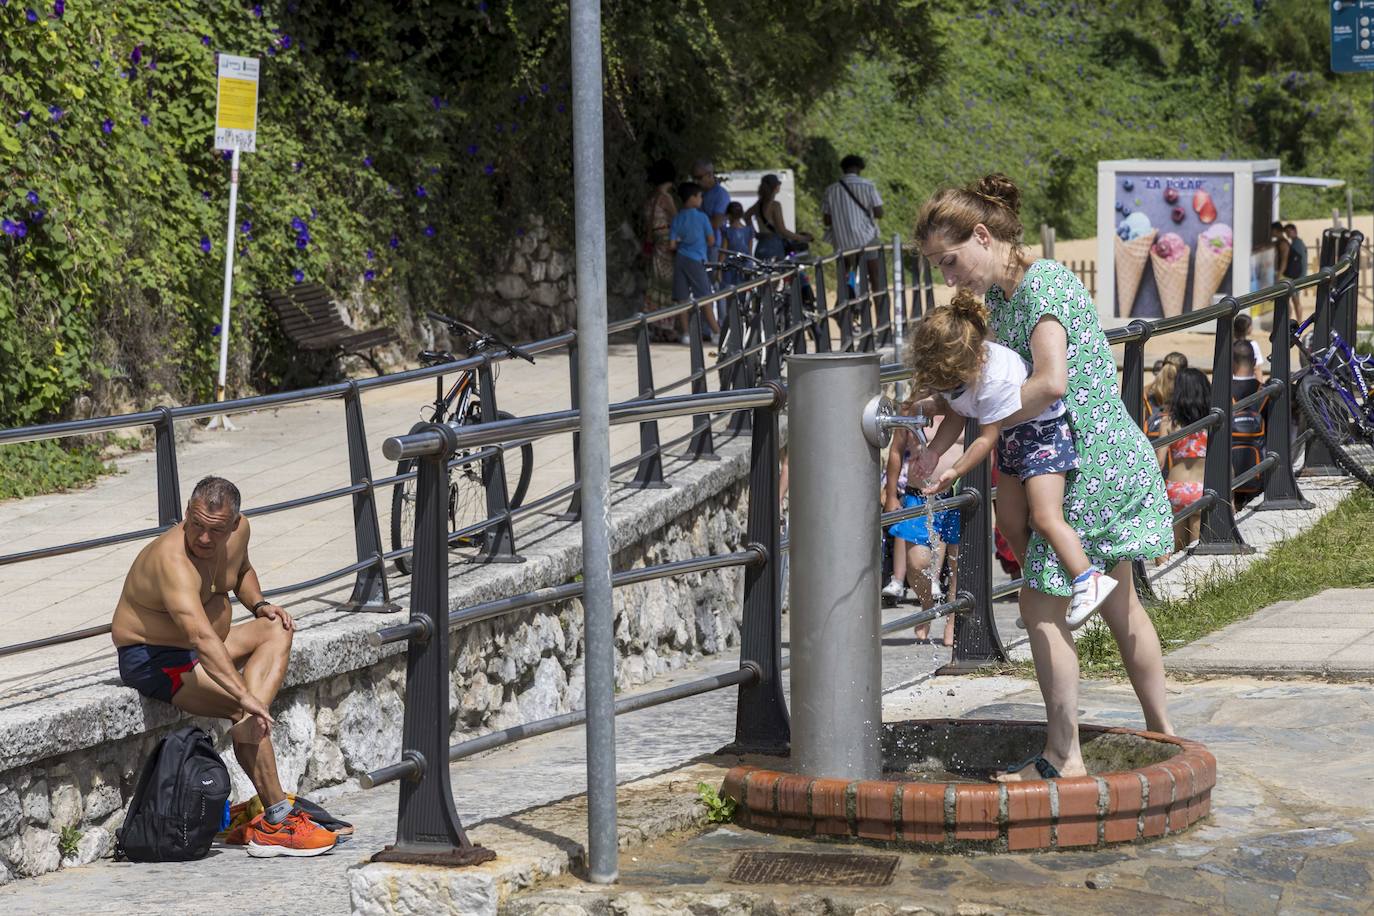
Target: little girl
{"x": 1185, "y": 459}
{"x": 971, "y": 376}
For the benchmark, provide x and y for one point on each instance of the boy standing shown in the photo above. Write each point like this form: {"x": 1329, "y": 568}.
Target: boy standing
{"x": 691, "y": 237}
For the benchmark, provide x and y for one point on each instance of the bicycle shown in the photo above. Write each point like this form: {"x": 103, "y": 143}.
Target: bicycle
{"x": 1333, "y": 395}
{"x": 778, "y": 298}
{"x": 461, "y": 404}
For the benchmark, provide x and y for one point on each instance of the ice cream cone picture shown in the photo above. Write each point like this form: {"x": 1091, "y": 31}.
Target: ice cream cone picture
{"x": 1169, "y": 258}
{"x": 1214, "y": 251}
{"x": 1134, "y": 236}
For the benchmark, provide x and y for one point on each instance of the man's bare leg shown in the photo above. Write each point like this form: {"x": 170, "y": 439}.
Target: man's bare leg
{"x": 263, "y": 648}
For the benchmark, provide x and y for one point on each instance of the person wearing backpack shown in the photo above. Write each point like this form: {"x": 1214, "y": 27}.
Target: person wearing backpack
{"x": 176, "y": 645}
{"x": 850, "y": 209}
{"x": 1248, "y": 425}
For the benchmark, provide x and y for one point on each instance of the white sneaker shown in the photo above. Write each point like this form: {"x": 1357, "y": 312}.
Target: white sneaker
{"x": 685, "y": 340}
{"x": 894, "y": 590}
{"x": 1088, "y": 596}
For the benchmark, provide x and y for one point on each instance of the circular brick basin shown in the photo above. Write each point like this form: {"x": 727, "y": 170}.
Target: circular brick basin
{"x": 937, "y": 790}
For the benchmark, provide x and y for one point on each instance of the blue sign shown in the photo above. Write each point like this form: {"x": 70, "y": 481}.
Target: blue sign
{"x": 1352, "y": 36}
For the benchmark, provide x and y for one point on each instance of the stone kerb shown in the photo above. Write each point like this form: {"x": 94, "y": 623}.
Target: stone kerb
{"x": 1159, "y": 798}
{"x": 70, "y": 759}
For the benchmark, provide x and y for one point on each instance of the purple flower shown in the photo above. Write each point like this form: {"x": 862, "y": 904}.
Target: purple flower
{"x": 24, "y": 116}
{"x": 420, "y": 191}
{"x": 367, "y": 162}
{"x": 488, "y": 169}
{"x": 144, "y": 120}
{"x": 370, "y": 254}
{"x": 562, "y": 108}
{"x": 38, "y": 215}
{"x": 227, "y": 155}
{"x": 58, "y": 8}
{"x": 205, "y": 243}
{"x": 56, "y": 112}
{"x": 472, "y": 149}
{"x": 204, "y": 195}
{"x": 205, "y": 40}
{"x": 257, "y": 10}
{"x": 297, "y": 166}
{"x": 31, "y": 15}
{"x": 302, "y": 241}
{"x": 298, "y": 275}
{"x": 351, "y": 54}
{"x": 297, "y": 224}
{"x": 18, "y": 230}
{"x": 107, "y": 126}
{"x": 313, "y": 213}
{"x": 544, "y": 88}
{"x": 214, "y": 332}
{"x": 136, "y": 55}
{"x": 437, "y": 102}
{"x": 429, "y": 232}
{"x": 522, "y": 99}
{"x": 32, "y": 198}
{"x": 369, "y": 275}
{"x": 285, "y": 42}
{"x": 245, "y": 227}
{"x": 394, "y": 242}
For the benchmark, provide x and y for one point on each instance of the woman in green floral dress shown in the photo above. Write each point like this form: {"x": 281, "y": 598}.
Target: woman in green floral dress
{"x": 1115, "y": 501}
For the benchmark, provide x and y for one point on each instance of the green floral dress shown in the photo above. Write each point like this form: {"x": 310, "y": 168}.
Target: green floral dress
{"x": 1115, "y": 500}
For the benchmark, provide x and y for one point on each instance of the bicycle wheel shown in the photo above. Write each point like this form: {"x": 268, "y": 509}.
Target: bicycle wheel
{"x": 519, "y": 466}
{"x": 467, "y": 505}
{"x": 1346, "y": 433}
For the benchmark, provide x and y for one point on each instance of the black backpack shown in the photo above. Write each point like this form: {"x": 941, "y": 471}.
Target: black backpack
{"x": 178, "y": 806}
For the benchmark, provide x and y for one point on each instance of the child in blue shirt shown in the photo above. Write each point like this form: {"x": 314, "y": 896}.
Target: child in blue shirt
{"x": 691, "y": 236}
{"x": 739, "y": 236}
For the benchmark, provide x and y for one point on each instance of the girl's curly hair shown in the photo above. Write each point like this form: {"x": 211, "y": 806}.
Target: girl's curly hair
{"x": 946, "y": 348}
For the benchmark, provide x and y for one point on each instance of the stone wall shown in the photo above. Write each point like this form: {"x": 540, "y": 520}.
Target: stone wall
{"x": 69, "y": 765}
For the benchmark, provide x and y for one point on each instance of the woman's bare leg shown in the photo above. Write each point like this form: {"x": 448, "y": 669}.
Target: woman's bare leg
{"x": 917, "y": 562}
{"x": 952, "y": 553}
{"x": 1140, "y": 650}
{"x": 1056, "y": 669}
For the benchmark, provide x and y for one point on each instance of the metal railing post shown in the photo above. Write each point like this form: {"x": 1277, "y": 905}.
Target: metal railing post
{"x": 835, "y": 631}
{"x": 977, "y": 643}
{"x": 884, "y": 307}
{"x": 1317, "y": 458}
{"x": 761, "y": 721}
{"x": 498, "y": 541}
{"x": 574, "y": 510}
{"x": 1280, "y": 484}
{"x": 370, "y": 591}
{"x": 702, "y": 443}
{"x": 1219, "y": 534}
{"x": 738, "y": 375}
{"x": 867, "y": 306}
{"x": 1133, "y": 395}
{"x": 843, "y": 304}
{"x": 649, "y": 474}
{"x": 428, "y": 829}
{"x": 797, "y": 312}
{"x": 822, "y": 325}
{"x": 768, "y": 330}
{"x": 168, "y": 479}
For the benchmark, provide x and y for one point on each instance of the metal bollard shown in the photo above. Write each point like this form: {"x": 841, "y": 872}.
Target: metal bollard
{"x": 835, "y": 627}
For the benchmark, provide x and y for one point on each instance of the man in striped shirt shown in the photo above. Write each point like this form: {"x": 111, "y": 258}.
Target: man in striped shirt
{"x": 851, "y": 208}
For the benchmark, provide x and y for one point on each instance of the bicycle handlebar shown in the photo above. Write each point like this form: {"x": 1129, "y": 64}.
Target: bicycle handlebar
{"x": 479, "y": 338}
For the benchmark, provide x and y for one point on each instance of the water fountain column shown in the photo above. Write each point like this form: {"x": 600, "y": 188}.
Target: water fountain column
{"x": 835, "y": 564}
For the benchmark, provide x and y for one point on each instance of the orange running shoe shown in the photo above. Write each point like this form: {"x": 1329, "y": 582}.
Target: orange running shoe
{"x": 298, "y": 835}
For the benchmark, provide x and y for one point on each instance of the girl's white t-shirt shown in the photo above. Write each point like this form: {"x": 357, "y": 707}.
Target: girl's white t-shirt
{"x": 997, "y": 395}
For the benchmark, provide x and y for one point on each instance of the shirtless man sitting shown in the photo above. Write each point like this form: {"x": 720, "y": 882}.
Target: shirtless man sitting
{"x": 176, "y": 645}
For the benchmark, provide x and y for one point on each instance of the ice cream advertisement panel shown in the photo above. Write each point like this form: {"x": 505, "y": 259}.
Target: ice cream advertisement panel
{"x": 1174, "y": 245}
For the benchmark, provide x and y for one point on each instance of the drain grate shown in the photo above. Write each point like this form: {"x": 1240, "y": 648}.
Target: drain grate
{"x": 813, "y": 868}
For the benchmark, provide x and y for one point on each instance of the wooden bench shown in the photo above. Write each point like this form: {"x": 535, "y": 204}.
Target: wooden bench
{"x": 311, "y": 320}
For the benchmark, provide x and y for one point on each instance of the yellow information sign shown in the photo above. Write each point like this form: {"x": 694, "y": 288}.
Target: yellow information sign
{"x": 236, "y": 111}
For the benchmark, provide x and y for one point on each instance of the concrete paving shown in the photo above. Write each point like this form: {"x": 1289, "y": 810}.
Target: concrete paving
{"x": 1330, "y": 634}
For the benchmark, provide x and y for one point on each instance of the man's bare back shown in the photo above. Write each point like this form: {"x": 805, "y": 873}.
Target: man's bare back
{"x": 166, "y": 565}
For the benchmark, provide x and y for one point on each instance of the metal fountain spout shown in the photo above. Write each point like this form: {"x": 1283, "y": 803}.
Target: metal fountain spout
{"x": 881, "y": 417}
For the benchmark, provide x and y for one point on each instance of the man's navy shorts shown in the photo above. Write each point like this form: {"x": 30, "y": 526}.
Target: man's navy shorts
{"x": 155, "y": 671}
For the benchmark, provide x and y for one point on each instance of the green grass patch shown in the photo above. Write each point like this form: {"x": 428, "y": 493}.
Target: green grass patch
{"x": 1327, "y": 555}
{"x": 35, "y": 468}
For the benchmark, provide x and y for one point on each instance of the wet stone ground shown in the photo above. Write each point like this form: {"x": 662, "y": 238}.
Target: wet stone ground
{"x": 1291, "y": 831}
